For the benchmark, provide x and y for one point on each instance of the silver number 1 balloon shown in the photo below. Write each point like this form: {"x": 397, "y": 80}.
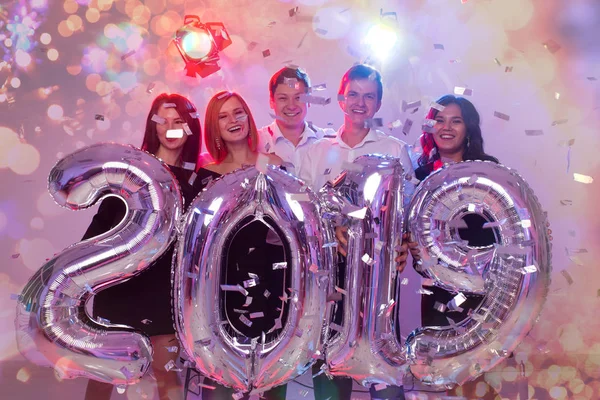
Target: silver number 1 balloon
{"x": 53, "y": 328}
{"x": 371, "y": 197}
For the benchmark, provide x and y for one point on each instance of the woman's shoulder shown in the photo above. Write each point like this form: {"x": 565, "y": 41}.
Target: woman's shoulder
{"x": 210, "y": 169}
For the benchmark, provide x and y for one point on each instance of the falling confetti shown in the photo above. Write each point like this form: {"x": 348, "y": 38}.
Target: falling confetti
{"x": 174, "y": 133}
{"x": 438, "y": 46}
{"x": 407, "y": 125}
{"x": 500, "y": 115}
{"x": 410, "y": 106}
{"x": 158, "y": 119}
{"x": 462, "y": 91}
{"x": 534, "y": 132}
{"x": 266, "y": 53}
{"x": 127, "y": 55}
{"x": 582, "y": 178}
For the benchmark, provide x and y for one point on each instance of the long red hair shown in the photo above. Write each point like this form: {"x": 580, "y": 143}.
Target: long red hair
{"x": 212, "y": 130}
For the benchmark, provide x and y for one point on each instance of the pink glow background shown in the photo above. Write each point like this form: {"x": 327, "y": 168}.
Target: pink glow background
{"x": 61, "y": 65}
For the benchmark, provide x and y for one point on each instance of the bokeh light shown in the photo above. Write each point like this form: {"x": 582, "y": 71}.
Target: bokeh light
{"x": 8, "y": 140}
{"x": 45, "y": 38}
{"x": 15, "y": 82}
{"x": 34, "y": 252}
{"x": 3, "y": 221}
{"x": 23, "y": 159}
{"x": 92, "y": 15}
{"x": 22, "y": 58}
{"x": 55, "y": 112}
{"x": 37, "y": 223}
{"x": 52, "y": 54}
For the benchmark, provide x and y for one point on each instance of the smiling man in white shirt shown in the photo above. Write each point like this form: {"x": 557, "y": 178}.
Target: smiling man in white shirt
{"x": 360, "y": 95}
{"x": 289, "y": 135}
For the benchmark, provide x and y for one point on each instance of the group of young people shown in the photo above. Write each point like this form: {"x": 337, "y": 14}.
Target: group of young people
{"x": 313, "y": 154}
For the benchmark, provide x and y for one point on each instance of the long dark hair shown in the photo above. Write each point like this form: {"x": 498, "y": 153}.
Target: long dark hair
{"x": 473, "y": 144}
{"x": 187, "y": 111}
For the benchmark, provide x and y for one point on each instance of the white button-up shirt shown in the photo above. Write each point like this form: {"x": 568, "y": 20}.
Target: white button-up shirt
{"x": 323, "y": 160}
{"x": 272, "y": 141}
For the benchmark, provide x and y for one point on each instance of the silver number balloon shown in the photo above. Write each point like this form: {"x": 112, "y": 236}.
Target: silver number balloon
{"x": 370, "y": 195}
{"x": 201, "y": 323}
{"x": 513, "y": 274}
{"x": 53, "y": 328}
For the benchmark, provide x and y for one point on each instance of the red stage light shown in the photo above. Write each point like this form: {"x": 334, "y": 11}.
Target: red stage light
{"x": 199, "y": 45}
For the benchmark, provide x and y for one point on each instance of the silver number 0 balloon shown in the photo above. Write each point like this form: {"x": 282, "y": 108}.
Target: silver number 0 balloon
{"x": 275, "y": 198}
{"x": 52, "y": 326}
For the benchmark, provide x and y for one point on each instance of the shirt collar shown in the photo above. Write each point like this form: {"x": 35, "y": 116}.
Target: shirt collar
{"x": 372, "y": 136}
{"x": 276, "y": 134}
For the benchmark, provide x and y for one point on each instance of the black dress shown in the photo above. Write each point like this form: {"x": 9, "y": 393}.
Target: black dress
{"x": 476, "y": 236}
{"x": 145, "y": 297}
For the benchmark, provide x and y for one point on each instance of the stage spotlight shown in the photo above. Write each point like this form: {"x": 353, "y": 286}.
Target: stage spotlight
{"x": 199, "y": 45}
{"x": 381, "y": 39}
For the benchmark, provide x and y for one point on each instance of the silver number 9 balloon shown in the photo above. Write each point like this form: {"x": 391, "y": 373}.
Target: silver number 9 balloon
{"x": 273, "y": 198}
{"x": 513, "y": 274}
{"x": 53, "y": 328}
{"x": 370, "y": 194}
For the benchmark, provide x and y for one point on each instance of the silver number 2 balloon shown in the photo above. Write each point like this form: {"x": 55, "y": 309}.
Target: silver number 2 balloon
{"x": 53, "y": 328}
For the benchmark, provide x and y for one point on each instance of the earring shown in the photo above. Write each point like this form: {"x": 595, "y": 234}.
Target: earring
{"x": 218, "y": 143}
{"x": 468, "y": 141}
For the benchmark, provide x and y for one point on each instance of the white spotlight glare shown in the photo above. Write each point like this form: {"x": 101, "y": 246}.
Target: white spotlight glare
{"x": 381, "y": 39}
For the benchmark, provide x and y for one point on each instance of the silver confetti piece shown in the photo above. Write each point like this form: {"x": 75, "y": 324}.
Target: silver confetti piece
{"x": 250, "y": 283}
{"x": 463, "y": 91}
{"x": 280, "y": 265}
{"x": 245, "y": 320}
{"x": 367, "y": 260}
{"x": 300, "y": 197}
{"x": 407, "y": 125}
{"x": 373, "y": 123}
{"x": 534, "y": 132}
{"x": 158, "y": 119}
{"x": 186, "y": 129}
{"x": 189, "y": 166}
{"x": 500, "y": 115}
{"x": 172, "y": 349}
{"x": 169, "y": 105}
{"x": 437, "y": 106}
{"x": 259, "y": 314}
{"x": 438, "y": 46}
{"x": 234, "y": 288}
{"x": 170, "y": 366}
{"x": 411, "y": 105}
{"x": 306, "y": 98}
{"x": 127, "y": 55}
{"x": 174, "y": 133}
{"x": 248, "y": 301}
